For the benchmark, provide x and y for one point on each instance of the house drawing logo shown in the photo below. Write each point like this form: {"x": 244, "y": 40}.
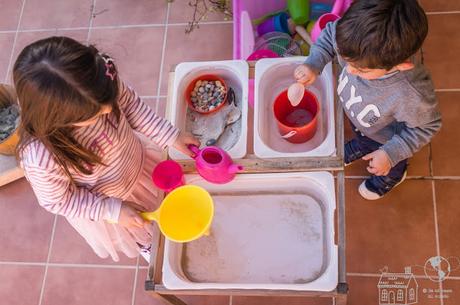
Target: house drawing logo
{"x": 397, "y": 288}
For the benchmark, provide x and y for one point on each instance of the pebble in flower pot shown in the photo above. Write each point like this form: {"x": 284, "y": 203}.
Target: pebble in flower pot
{"x": 207, "y": 95}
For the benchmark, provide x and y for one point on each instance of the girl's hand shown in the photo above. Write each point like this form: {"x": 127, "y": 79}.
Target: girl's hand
{"x": 183, "y": 140}
{"x": 379, "y": 163}
{"x": 304, "y": 75}
{"x": 129, "y": 215}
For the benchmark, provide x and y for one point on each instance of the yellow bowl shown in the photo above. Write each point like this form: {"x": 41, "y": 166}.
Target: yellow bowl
{"x": 185, "y": 214}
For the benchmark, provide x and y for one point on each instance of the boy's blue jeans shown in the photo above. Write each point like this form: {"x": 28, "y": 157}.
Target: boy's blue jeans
{"x": 367, "y": 145}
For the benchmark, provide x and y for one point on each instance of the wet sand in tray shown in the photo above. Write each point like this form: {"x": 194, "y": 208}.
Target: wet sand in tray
{"x": 270, "y": 238}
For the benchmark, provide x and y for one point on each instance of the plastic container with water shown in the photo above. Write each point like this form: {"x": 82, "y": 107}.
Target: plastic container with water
{"x": 270, "y": 231}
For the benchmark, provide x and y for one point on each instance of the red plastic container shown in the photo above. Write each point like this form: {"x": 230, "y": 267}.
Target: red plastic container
{"x": 168, "y": 175}
{"x": 191, "y": 86}
{"x": 296, "y": 124}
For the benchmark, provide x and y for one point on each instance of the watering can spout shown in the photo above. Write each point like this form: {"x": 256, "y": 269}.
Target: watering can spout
{"x": 235, "y": 168}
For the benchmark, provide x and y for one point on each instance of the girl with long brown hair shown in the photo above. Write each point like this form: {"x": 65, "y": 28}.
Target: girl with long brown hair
{"x": 78, "y": 145}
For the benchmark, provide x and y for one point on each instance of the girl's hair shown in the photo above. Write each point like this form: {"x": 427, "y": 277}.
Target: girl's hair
{"x": 60, "y": 82}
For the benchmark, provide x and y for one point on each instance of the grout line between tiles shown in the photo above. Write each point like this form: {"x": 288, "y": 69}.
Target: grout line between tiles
{"x": 53, "y": 29}
{"x": 430, "y": 159}
{"x": 133, "y": 296}
{"x": 447, "y": 90}
{"x": 361, "y": 274}
{"x": 435, "y": 215}
{"x": 230, "y": 300}
{"x": 435, "y": 211}
{"x": 436, "y": 230}
{"x": 443, "y": 13}
{"x": 163, "y": 51}
{"x": 128, "y": 26}
{"x": 42, "y": 289}
{"x": 91, "y": 19}
{"x": 69, "y": 265}
{"x": 10, "y": 62}
{"x": 429, "y": 178}
{"x": 13, "y": 263}
{"x": 110, "y": 27}
{"x": 376, "y": 275}
{"x": 202, "y": 23}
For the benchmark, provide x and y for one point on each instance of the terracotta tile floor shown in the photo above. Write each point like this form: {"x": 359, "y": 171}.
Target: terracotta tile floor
{"x": 43, "y": 261}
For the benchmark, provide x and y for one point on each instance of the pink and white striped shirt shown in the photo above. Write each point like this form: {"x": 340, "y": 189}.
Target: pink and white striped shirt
{"x": 99, "y": 195}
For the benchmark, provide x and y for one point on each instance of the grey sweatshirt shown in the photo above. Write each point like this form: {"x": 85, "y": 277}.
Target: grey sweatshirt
{"x": 399, "y": 111}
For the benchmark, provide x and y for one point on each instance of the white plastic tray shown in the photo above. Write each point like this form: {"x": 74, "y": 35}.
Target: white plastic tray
{"x": 272, "y": 76}
{"x": 270, "y": 231}
{"x": 234, "y": 72}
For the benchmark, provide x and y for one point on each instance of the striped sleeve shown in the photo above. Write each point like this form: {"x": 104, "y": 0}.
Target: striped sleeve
{"x": 58, "y": 195}
{"x": 143, "y": 119}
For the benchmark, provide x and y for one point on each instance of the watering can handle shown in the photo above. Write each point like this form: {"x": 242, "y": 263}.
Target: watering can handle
{"x": 150, "y": 216}
{"x": 289, "y": 134}
{"x": 194, "y": 149}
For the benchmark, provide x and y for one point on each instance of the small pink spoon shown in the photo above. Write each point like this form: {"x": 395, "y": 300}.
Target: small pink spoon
{"x": 295, "y": 93}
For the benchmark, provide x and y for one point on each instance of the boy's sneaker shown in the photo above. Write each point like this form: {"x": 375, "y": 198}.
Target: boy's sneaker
{"x": 352, "y": 152}
{"x": 375, "y": 187}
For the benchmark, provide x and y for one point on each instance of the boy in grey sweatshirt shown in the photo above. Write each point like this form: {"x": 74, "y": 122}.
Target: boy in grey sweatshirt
{"x": 388, "y": 98}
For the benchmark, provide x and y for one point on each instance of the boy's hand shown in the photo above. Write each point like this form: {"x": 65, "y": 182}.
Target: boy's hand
{"x": 183, "y": 140}
{"x": 129, "y": 215}
{"x": 379, "y": 163}
{"x": 304, "y": 75}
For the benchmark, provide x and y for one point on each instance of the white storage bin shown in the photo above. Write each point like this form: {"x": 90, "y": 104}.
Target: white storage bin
{"x": 272, "y": 76}
{"x": 270, "y": 231}
{"x": 235, "y": 74}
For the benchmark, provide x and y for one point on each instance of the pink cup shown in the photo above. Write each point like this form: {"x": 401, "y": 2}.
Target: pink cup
{"x": 168, "y": 175}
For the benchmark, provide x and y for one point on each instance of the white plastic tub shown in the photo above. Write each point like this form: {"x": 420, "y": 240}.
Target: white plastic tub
{"x": 235, "y": 73}
{"x": 270, "y": 231}
{"x": 272, "y": 76}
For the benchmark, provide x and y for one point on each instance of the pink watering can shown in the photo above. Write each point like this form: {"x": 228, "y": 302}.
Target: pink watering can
{"x": 214, "y": 164}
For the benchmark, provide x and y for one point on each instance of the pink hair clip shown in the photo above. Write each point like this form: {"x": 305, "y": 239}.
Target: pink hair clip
{"x": 109, "y": 67}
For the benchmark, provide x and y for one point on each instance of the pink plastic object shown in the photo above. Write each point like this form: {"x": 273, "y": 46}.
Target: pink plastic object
{"x": 246, "y": 32}
{"x": 256, "y": 56}
{"x": 168, "y": 175}
{"x": 339, "y": 8}
{"x": 243, "y": 34}
{"x": 245, "y": 10}
{"x": 262, "y": 54}
{"x": 214, "y": 164}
